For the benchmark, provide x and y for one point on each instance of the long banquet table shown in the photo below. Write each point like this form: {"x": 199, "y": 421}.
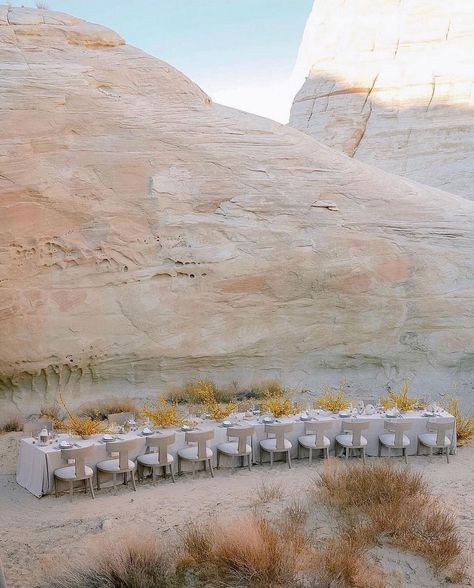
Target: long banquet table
{"x": 36, "y": 463}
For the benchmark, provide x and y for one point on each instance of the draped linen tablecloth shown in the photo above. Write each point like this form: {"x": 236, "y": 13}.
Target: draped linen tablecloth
{"x": 36, "y": 464}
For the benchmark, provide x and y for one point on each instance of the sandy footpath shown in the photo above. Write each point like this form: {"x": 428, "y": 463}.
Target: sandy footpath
{"x": 34, "y": 534}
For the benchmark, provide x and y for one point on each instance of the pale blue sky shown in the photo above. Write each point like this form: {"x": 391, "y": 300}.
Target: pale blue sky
{"x": 241, "y": 52}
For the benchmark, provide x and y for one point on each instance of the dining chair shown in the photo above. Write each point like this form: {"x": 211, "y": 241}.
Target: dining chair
{"x": 157, "y": 455}
{"x": 241, "y": 448}
{"x": 120, "y": 418}
{"x": 277, "y": 443}
{"x": 118, "y": 465}
{"x": 314, "y": 438}
{"x": 78, "y": 471}
{"x": 437, "y": 437}
{"x": 351, "y": 437}
{"x": 34, "y": 428}
{"x": 199, "y": 452}
{"x": 395, "y": 438}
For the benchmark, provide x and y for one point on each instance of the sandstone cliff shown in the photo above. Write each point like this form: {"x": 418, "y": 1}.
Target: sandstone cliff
{"x": 148, "y": 236}
{"x": 391, "y": 83}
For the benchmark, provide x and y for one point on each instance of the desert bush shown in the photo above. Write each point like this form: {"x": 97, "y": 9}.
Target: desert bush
{"x": 83, "y": 426}
{"x": 12, "y": 424}
{"x": 196, "y": 393}
{"x": 277, "y": 400}
{"x": 207, "y": 395}
{"x": 51, "y": 412}
{"x": 332, "y": 401}
{"x": 401, "y": 400}
{"x": 246, "y": 552}
{"x": 163, "y": 414}
{"x": 102, "y": 408}
{"x": 131, "y": 563}
{"x": 464, "y": 424}
{"x": 383, "y": 502}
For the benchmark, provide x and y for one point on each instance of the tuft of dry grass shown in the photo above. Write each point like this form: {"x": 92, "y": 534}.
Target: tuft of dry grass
{"x": 197, "y": 392}
{"x": 131, "y": 563}
{"x": 12, "y": 424}
{"x": 101, "y": 409}
{"x": 377, "y": 503}
{"x": 464, "y": 424}
{"x": 246, "y": 552}
{"x": 51, "y": 412}
{"x": 268, "y": 492}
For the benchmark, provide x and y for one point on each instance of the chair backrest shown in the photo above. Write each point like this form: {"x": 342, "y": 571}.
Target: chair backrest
{"x": 318, "y": 429}
{"x": 161, "y": 444}
{"x": 201, "y": 438}
{"x": 122, "y": 447}
{"x": 279, "y": 430}
{"x": 242, "y": 434}
{"x": 440, "y": 426}
{"x": 33, "y": 428}
{"x": 397, "y": 426}
{"x": 119, "y": 418}
{"x": 355, "y": 427}
{"x": 79, "y": 456}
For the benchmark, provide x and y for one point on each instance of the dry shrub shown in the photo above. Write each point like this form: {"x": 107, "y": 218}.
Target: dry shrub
{"x": 246, "y": 552}
{"x": 12, "y": 424}
{"x": 51, "y": 412}
{"x": 163, "y": 414}
{"x": 268, "y": 492}
{"x": 383, "y": 502}
{"x": 101, "y": 409}
{"x": 332, "y": 401}
{"x": 132, "y": 563}
{"x": 401, "y": 400}
{"x": 277, "y": 400}
{"x": 464, "y": 424}
{"x": 197, "y": 393}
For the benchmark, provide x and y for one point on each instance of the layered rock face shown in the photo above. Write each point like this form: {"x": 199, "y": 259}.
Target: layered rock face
{"x": 391, "y": 83}
{"x": 149, "y": 237}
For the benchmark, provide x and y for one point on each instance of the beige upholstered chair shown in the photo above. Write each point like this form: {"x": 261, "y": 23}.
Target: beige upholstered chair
{"x": 351, "y": 437}
{"x": 277, "y": 443}
{"x": 33, "y": 428}
{"x": 199, "y": 452}
{"x": 314, "y": 438}
{"x": 157, "y": 455}
{"x": 118, "y": 465}
{"x": 120, "y": 418}
{"x": 76, "y": 472}
{"x": 240, "y": 448}
{"x": 437, "y": 437}
{"x": 395, "y": 438}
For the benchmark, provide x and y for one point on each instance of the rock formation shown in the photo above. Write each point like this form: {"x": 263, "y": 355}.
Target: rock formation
{"x": 391, "y": 83}
{"x": 149, "y": 236}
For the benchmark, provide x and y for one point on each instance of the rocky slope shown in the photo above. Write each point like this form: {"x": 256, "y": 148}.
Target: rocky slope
{"x": 391, "y": 83}
{"x": 148, "y": 236}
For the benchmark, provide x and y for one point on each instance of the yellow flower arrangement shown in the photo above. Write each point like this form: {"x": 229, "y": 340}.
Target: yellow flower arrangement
{"x": 332, "y": 401}
{"x": 277, "y": 401}
{"x": 401, "y": 400}
{"x": 163, "y": 414}
{"x": 464, "y": 424}
{"x": 83, "y": 426}
{"x": 206, "y": 393}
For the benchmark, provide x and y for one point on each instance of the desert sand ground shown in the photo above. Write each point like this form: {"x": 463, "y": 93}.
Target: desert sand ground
{"x": 36, "y": 534}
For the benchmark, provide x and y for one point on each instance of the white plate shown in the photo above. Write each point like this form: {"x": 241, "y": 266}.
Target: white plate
{"x": 107, "y": 438}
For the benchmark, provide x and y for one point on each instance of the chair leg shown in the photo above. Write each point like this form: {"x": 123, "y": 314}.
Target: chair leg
{"x": 98, "y": 479}
{"x": 218, "y": 459}
{"x": 125, "y": 478}
{"x": 115, "y": 483}
{"x": 347, "y": 452}
{"x": 172, "y": 473}
{"x": 194, "y": 469}
{"x": 164, "y": 472}
{"x": 153, "y": 475}
{"x": 91, "y": 487}
{"x": 327, "y": 452}
{"x": 289, "y": 459}
{"x": 389, "y": 452}
{"x": 363, "y": 455}
{"x": 210, "y": 468}
{"x": 56, "y": 487}
{"x": 405, "y": 451}
{"x": 179, "y": 466}
{"x": 310, "y": 455}
{"x": 132, "y": 473}
{"x": 249, "y": 457}
{"x": 271, "y": 459}
{"x": 71, "y": 490}
{"x": 447, "y": 454}
{"x": 205, "y": 465}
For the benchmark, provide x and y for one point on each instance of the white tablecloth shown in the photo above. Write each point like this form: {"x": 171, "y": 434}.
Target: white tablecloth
{"x": 36, "y": 464}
